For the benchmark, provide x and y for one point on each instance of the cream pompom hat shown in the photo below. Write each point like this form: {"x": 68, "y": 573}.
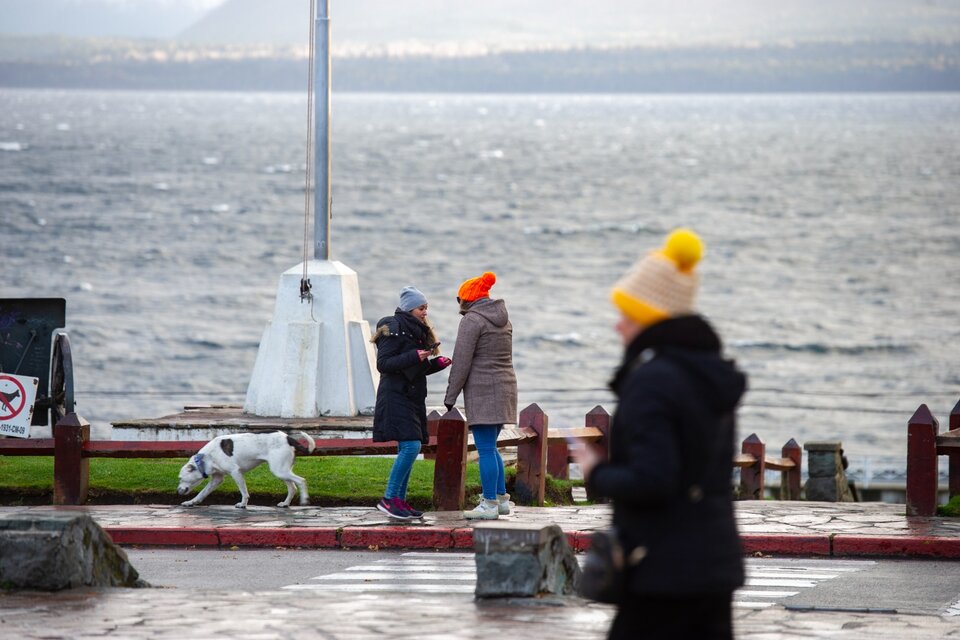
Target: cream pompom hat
{"x": 662, "y": 284}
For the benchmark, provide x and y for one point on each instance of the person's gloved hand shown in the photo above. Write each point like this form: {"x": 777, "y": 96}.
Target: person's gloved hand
{"x": 442, "y": 362}
{"x": 448, "y": 406}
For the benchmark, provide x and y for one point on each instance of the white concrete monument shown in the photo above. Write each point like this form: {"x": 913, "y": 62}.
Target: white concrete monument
{"x": 315, "y": 356}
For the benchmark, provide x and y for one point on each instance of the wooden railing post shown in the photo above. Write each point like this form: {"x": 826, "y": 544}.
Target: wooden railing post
{"x": 790, "y": 480}
{"x": 433, "y": 421}
{"x": 558, "y": 460}
{"x": 450, "y": 469}
{"x": 532, "y": 458}
{"x": 751, "y": 478}
{"x": 599, "y": 418}
{"x": 953, "y": 477}
{"x": 71, "y": 471}
{"x": 922, "y": 469}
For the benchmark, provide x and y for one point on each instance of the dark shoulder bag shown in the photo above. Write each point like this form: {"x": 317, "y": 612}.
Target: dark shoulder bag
{"x": 603, "y": 578}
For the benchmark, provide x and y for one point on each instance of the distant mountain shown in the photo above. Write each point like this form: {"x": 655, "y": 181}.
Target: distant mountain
{"x": 830, "y": 66}
{"x": 462, "y": 26}
{"x": 99, "y": 18}
{"x": 474, "y": 26}
{"x": 511, "y": 46}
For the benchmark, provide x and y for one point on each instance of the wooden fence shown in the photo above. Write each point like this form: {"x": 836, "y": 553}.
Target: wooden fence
{"x": 540, "y": 451}
{"x": 924, "y": 445}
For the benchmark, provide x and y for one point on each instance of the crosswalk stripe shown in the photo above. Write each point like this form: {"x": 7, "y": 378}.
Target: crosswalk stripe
{"x": 739, "y": 604}
{"x": 952, "y": 610}
{"x": 427, "y": 572}
{"x": 414, "y": 568}
{"x": 807, "y": 575}
{"x": 746, "y": 593}
{"x": 790, "y": 576}
{"x": 381, "y": 586}
{"x": 761, "y": 582}
{"x": 379, "y": 575}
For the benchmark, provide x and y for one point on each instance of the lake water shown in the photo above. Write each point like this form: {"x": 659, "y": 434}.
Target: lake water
{"x": 831, "y": 223}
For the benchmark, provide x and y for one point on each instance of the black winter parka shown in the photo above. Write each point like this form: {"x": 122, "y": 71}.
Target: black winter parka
{"x": 669, "y": 472}
{"x": 401, "y": 410}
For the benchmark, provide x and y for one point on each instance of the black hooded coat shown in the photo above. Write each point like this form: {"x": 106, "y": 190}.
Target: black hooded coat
{"x": 669, "y": 472}
{"x": 401, "y": 410}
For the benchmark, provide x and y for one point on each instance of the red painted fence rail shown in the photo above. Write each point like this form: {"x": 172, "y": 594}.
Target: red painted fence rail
{"x": 540, "y": 451}
{"x": 924, "y": 446}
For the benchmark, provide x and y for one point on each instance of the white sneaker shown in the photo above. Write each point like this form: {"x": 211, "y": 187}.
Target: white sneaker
{"x": 503, "y": 504}
{"x": 486, "y": 510}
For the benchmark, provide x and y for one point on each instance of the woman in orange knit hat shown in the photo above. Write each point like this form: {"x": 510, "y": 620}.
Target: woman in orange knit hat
{"x": 483, "y": 370}
{"x": 672, "y": 440}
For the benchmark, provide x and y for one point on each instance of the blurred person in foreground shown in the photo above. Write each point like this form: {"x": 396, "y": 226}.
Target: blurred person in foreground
{"x": 672, "y": 443}
{"x": 405, "y": 341}
{"x": 483, "y": 370}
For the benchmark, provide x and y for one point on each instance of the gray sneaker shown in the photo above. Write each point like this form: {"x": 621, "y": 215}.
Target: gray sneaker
{"x": 503, "y": 504}
{"x": 486, "y": 510}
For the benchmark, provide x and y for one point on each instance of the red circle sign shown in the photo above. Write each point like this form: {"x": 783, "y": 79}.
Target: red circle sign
{"x": 8, "y": 399}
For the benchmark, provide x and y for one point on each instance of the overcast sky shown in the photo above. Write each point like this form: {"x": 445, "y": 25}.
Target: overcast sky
{"x": 508, "y": 22}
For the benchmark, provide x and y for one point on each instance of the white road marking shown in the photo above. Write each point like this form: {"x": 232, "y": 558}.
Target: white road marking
{"x": 744, "y": 593}
{"x": 742, "y": 604}
{"x": 380, "y": 575}
{"x": 802, "y": 574}
{"x": 953, "y": 610}
{"x": 797, "y": 584}
{"x": 790, "y": 575}
{"x": 383, "y": 586}
{"x": 768, "y": 581}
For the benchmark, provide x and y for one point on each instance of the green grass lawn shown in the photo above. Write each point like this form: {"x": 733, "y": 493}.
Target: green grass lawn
{"x": 951, "y": 509}
{"x": 331, "y": 481}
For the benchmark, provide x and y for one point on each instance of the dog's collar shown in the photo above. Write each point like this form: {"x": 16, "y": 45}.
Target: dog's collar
{"x": 198, "y": 460}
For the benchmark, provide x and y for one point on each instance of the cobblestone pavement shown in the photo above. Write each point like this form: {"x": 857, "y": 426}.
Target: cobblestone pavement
{"x": 812, "y": 528}
{"x": 175, "y": 613}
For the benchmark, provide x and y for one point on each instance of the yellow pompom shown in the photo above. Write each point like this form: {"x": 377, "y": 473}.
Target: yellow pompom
{"x": 684, "y": 247}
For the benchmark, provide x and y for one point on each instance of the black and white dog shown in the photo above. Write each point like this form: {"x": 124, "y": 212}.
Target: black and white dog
{"x": 238, "y": 453}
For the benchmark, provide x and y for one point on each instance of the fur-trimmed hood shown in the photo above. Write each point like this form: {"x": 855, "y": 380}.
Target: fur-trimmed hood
{"x": 404, "y": 323}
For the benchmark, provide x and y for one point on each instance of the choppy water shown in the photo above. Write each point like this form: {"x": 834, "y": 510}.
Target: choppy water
{"x": 165, "y": 220}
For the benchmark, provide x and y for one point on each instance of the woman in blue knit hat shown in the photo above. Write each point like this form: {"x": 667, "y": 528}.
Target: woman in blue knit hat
{"x": 405, "y": 341}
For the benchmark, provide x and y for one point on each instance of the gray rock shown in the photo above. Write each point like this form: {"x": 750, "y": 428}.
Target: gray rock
{"x": 515, "y": 559}
{"x": 49, "y": 552}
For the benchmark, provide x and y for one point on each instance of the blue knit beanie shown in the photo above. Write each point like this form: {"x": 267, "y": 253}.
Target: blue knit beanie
{"x": 411, "y": 298}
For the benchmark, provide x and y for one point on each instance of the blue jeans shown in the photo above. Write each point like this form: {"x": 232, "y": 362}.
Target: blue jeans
{"x": 407, "y": 452}
{"x": 492, "y": 478}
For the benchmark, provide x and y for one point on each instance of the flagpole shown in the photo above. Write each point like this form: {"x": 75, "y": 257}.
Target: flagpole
{"x": 321, "y": 108}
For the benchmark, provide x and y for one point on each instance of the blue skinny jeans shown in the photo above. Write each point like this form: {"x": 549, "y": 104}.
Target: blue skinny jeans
{"x": 492, "y": 478}
{"x": 407, "y": 452}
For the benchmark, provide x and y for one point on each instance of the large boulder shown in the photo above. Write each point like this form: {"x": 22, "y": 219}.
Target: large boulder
{"x": 60, "y": 550}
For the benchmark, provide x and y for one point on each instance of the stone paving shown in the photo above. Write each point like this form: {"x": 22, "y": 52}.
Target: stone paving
{"x": 159, "y": 613}
{"x": 183, "y": 613}
{"x": 810, "y": 528}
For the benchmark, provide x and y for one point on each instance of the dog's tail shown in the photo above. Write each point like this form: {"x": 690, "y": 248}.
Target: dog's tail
{"x": 299, "y": 446}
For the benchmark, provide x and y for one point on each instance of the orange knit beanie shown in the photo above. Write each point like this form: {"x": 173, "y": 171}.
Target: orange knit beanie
{"x": 476, "y": 288}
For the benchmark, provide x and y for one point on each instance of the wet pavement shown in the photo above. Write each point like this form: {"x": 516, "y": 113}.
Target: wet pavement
{"x": 179, "y": 613}
{"x": 799, "y": 528}
{"x": 767, "y": 527}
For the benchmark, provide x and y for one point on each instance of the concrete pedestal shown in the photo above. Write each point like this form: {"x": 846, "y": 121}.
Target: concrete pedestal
{"x": 827, "y": 481}
{"x": 315, "y": 357}
{"x": 527, "y": 560}
{"x": 57, "y": 551}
